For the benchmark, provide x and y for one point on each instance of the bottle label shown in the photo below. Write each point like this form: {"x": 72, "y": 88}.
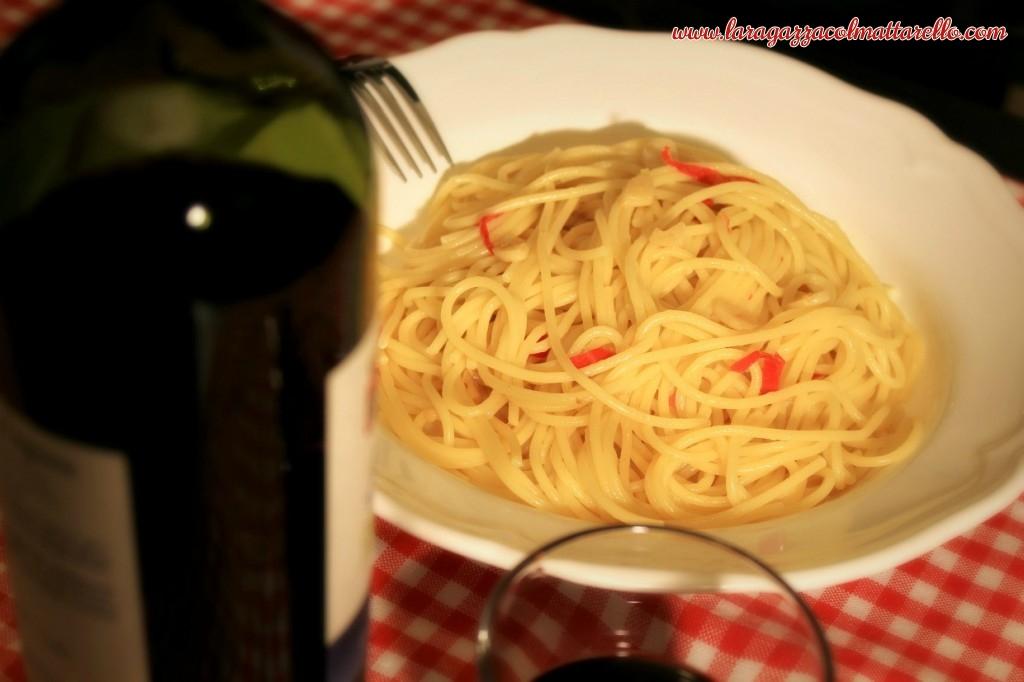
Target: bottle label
{"x": 350, "y": 423}
{"x": 71, "y": 555}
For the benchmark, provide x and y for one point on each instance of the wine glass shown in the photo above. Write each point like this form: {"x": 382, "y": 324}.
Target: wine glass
{"x": 647, "y": 603}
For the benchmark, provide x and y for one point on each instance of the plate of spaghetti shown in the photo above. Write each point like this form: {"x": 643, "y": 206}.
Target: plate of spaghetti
{"x": 696, "y": 284}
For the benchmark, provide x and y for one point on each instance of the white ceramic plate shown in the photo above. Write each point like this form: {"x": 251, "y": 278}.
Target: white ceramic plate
{"x": 933, "y": 218}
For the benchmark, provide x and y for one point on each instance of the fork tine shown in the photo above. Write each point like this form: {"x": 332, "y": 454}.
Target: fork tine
{"x": 418, "y": 109}
{"x": 378, "y": 142}
{"x": 375, "y": 134}
{"x": 368, "y": 98}
{"x": 396, "y": 109}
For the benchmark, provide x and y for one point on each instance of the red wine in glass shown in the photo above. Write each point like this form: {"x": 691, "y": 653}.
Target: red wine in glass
{"x": 616, "y": 668}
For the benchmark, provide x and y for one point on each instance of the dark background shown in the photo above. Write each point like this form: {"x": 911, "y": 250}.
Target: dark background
{"x": 974, "y": 91}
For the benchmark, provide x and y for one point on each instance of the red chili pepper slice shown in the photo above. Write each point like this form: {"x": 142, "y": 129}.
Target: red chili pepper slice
{"x": 771, "y": 372}
{"x": 591, "y": 356}
{"x": 702, "y": 174}
{"x": 772, "y": 365}
{"x": 744, "y": 363}
{"x": 485, "y": 231}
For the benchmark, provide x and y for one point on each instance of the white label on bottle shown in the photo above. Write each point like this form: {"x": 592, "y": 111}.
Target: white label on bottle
{"x": 351, "y": 413}
{"x": 71, "y": 554}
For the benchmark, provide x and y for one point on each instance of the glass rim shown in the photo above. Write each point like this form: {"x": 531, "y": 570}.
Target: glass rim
{"x": 484, "y": 648}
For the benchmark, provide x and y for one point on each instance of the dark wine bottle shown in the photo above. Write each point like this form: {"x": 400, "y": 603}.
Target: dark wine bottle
{"x": 186, "y": 288}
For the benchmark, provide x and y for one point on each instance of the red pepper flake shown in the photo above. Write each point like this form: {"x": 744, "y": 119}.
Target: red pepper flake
{"x": 818, "y": 375}
{"x": 485, "y": 230}
{"x": 771, "y": 368}
{"x": 702, "y": 174}
{"x": 591, "y": 356}
{"x": 744, "y": 363}
{"x": 710, "y": 203}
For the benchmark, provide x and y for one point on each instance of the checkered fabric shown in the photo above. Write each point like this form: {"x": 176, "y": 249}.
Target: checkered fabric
{"x": 389, "y": 27}
{"x": 955, "y": 613}
{"x": 11, "y": 669}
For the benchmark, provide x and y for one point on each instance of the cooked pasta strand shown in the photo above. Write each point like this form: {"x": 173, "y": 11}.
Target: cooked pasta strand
{"x": 635, "y": 344}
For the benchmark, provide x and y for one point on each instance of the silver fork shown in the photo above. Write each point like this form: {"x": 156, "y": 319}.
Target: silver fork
{"x": 376, "y": 82}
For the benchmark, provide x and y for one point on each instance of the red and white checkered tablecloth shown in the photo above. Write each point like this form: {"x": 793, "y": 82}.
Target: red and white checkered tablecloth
{"x": 956, "y": 613}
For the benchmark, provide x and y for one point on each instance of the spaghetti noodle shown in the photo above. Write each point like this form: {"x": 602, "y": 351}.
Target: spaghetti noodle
{"x": 616, "y": 333}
